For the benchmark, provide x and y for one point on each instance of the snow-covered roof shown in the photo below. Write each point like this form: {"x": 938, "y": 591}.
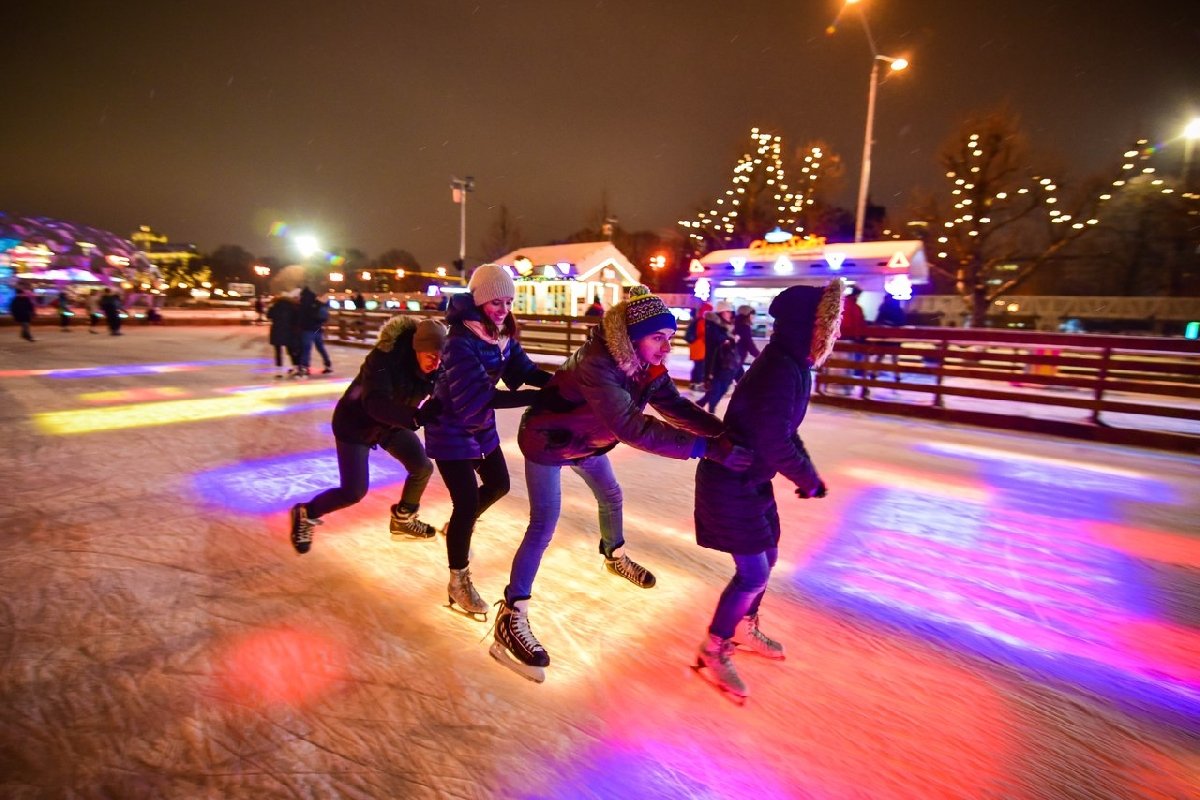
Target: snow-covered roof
{"x": 586, "y": 260}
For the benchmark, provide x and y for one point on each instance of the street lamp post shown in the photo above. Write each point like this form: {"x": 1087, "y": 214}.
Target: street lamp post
{"x": 1190, "y": 134}
{"x": 864, "y": 179}
{"x": 459, "y": 188}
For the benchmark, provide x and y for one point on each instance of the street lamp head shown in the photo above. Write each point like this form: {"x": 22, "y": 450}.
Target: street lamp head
{"x": 307, "y": 245}
{"x": 1192, "y": 131}
{"x": 898, "y": 64}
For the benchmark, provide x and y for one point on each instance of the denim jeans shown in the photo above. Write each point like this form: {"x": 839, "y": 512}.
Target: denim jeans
{"x": 717, "y": 388}
{"x": 545, "y": 504}
{"x": 403, "y": 445}
{"x": 744, "y": 592}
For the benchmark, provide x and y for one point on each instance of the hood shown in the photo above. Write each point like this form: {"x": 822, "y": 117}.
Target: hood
{"x": 392, "y": 330}
{"x": 808, "y": 320}
{"x": 461, "y": 308}
{"x": 714, "y": 318}
{"x": 616, "y": 339}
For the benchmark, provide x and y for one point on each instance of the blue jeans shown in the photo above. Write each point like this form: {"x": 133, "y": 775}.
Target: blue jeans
{"x": 744, "y": 592}
{"x": 717, "y": 388}
{"x": 545, "y": 504}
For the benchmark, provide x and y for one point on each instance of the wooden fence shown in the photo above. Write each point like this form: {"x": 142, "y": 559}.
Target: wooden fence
{"x": 1123, "y": 389}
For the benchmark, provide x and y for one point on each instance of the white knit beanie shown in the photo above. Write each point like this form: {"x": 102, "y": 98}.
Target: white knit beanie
{"x": 490, "y": 281}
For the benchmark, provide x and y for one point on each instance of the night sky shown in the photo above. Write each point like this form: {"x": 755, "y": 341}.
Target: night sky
{"x": 211, "y": 120}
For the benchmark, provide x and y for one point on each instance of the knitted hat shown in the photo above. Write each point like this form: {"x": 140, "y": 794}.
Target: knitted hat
{"x": 745, "y": 311}
{"x": 645, "y": 314}
{"x": 490, "y": 281}
{"x": 723, "y": 305}
{"x": 429, "y": 336}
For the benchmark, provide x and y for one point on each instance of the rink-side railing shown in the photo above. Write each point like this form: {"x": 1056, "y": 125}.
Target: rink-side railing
{"x": 1120, "y": 389}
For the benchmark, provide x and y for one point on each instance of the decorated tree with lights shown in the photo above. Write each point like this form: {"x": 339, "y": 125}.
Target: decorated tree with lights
{"x": 759, "y": 198}
{"x": 1003, "y": 220}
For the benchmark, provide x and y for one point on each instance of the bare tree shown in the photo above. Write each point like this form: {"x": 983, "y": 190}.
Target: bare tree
{"x": 503, "y": 236}
{"x": 1001, "y": 220}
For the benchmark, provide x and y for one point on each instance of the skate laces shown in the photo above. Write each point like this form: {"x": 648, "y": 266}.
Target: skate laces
{"x": 524, "y": 633}
{"x": 304, "y": 530}
{"x": 629, "y": 569}
{"x": 755, "y": 633}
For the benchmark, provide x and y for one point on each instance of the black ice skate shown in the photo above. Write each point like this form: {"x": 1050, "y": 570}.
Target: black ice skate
{"x": 625, "y": 567}
{"x": 750, "y": 637}
{"x": 302, "y": 528}
{"x": 714, "y": 663}
{"x": 515, "y": 646}
{"x": 463, "y": 599}
{"x": 407, "y": 526}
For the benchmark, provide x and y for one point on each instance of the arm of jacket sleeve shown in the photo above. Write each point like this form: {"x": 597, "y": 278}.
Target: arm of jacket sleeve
{"x": 683, "y": 413}
{"x": 469, "y": 390}
{"x": 772, "y": 441}
{"x": 521, "y": 370}
{"x": 614, "y": 406}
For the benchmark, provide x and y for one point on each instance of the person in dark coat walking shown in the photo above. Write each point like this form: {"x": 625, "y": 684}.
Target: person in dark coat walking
{"x": 720, "y": 355}
{"x": 595, "y": 401}
{"x": 63, "y": 304}
{"x": 311, "y": 317}
{"x": 481, "y": 350}
{"x": 384, "y": 406}
{"x": 110, "y": 304}
{"x": 737, "y": 514}
{"x": 743, "y": 333}
{"x": 284, "y": 335}
{"x": 23, "y": 312}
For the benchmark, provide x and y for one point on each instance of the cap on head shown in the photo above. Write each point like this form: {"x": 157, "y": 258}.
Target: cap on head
{"x": 723, "y": 306}
{"x": 490, "y": 281}
{"x": 645, "y": 314}
{"x": 429, "y": 336}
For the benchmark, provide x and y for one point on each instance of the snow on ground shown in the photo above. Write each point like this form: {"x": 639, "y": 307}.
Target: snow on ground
{"x": 968, "y": 614}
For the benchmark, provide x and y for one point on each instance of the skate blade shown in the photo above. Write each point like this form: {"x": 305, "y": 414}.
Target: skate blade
{"x": 531, "y": 673}
{"x": 706, "y": 676}
{"x": 411, "y": 537}
{"x": 477, "y": 616}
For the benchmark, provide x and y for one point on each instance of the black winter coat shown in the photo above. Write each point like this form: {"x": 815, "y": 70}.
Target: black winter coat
{"x": 597, "y": 397}
{"x": 282, "y": 314}
{"x": 721, "y": 360}
{"x": 736, "y": 513}
{"x": 387, "y": 391}
{"x": 21, "y": 308}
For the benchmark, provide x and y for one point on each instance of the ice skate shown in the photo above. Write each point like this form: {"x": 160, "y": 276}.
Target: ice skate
{"x": 406, "y": 526}
{"x": 514, "y": 644}
{"x": 714, "y": 663}
{"x": 751, "y": 638}
{"x": 462, "y": 597}
{"x": 625, "y": 567}
{"x": 302, "y": 528}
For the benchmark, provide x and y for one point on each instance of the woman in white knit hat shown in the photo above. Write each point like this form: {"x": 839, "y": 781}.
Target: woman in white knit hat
{"x": 481, "y": 350}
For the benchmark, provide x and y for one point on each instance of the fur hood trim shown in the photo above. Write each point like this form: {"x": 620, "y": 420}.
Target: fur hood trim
{"x": 392, "y": 330}
{"x": 827, "y": 326}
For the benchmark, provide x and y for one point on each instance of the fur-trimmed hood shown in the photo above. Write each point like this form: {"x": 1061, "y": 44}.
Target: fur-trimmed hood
{"x": 393, "y": 329}
{"x": 808, "y": 320}
{"x": 617, "y": 341}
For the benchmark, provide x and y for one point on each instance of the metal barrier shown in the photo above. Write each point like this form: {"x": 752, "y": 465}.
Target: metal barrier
{"x": 1123, "y": 389}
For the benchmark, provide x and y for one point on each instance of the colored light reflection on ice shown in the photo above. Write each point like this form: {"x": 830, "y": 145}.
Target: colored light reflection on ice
{"x": 169, "y": 412}
{"x": 127, "y": 369}
{"x": 274, "y": 484}
{"x": 1023, "y": 578}
{"x": 280, "y": 666}
{"x": 142, "y": 395}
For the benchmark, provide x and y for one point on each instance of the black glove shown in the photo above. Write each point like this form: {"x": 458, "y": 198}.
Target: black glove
{"x": 514, "y": 399}
{"x": 816, "y": 492}
{"x": 430, "y": 412}
{"x": 729, "y": 455}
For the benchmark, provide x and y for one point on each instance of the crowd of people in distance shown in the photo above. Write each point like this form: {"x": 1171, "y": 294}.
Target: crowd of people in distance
{"x": 450, "y": 378}
{"x": 104, "y": 307}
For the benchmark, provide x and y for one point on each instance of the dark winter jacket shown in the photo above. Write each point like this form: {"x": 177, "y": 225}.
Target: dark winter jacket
{"x": 743, "y": 332}
{"x": 110, "y": 304}
{"x": 388, "y": 389}
{"x": 736, "y": 512}
{"x": 471, "y": 368}
{"x": 597, "y": 397}
{"x": 282, "y": 314}
{"x": 720, "y": 352}
{"x": 313, "y": 313}
{"x": 21, "y": 308}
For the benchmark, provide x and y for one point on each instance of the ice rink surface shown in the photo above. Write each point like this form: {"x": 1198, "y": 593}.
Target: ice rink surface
{"x": 969, "y": 614}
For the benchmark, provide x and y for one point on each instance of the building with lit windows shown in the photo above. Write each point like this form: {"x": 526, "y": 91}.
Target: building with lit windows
{"x": 164, "y": 254}
{"x": 564, "y": 279}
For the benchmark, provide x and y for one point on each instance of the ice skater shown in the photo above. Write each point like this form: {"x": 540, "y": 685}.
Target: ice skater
{"x": 383, "y": 407}
{"x": 23, "y": 311}
{"x": 482, "y": 349}
{"x": 284, "y": 335}
{"x": 593, "y": 402}
{"x": 736, "y": 513}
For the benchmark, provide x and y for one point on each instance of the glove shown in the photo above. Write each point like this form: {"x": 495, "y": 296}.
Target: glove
{"x": 729, "y": 455}
{"x": 514, "y": 399}
{"x": 430, "y": 412}
{"x": 816, "y": 492}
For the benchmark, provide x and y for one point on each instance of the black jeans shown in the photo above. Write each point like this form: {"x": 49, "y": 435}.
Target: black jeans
{"x": 403, "y": 445}
{"x": 471, "y": 498}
